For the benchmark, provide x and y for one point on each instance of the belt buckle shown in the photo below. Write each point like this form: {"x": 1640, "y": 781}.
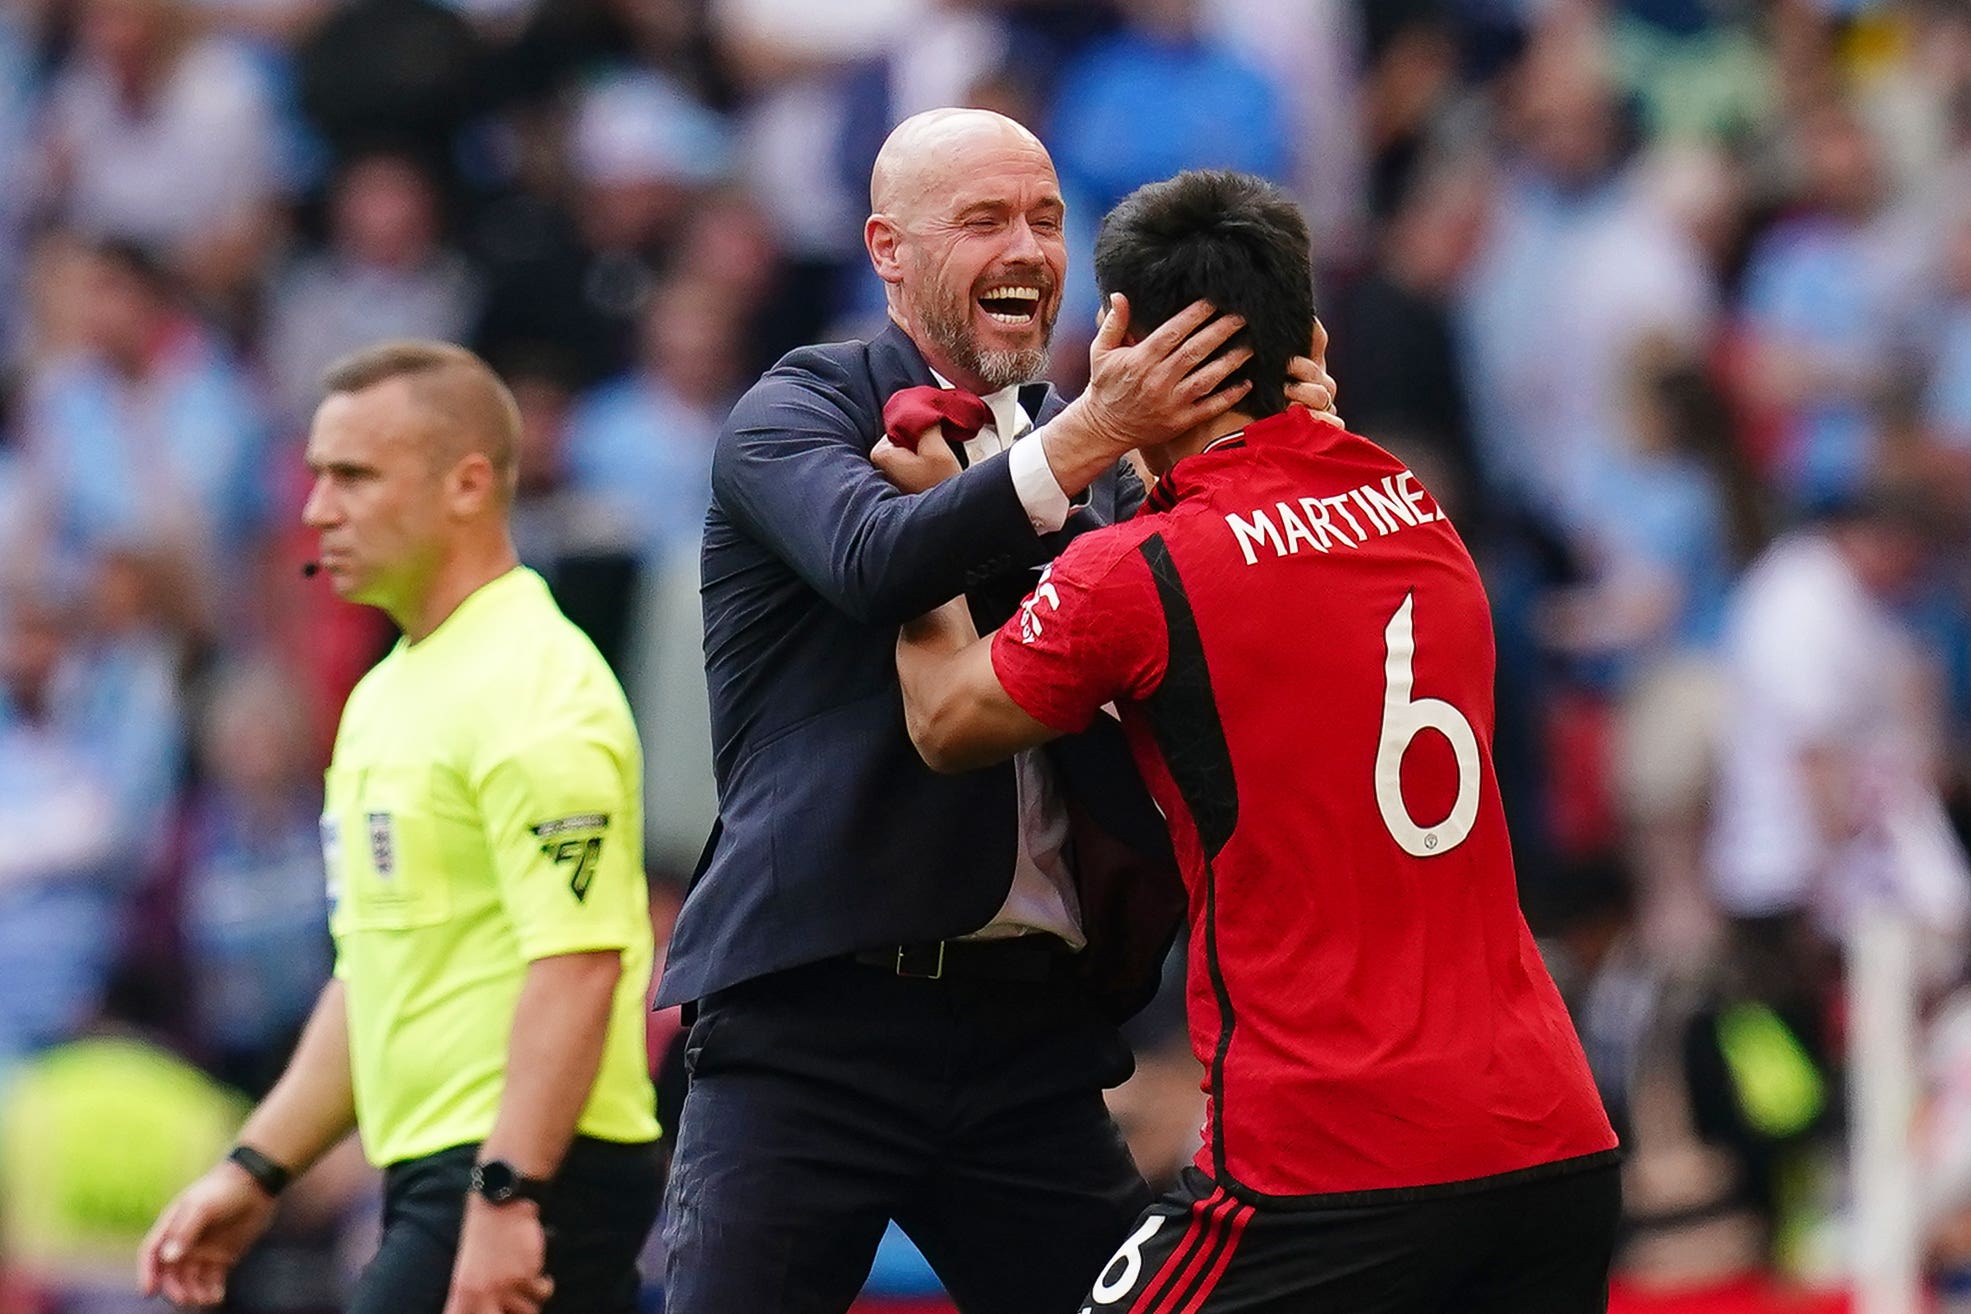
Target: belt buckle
{"x": 907, "y": 964}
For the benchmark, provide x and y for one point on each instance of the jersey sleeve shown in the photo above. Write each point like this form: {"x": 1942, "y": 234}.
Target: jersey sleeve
{"x": 564, "y": 841}
{"x": 1090, "y": 633}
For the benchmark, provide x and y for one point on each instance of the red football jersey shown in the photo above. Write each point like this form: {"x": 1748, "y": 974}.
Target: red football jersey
{"x": 1301, "y": 652}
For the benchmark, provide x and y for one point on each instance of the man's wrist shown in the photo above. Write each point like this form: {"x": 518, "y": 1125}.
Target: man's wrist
{"x": 269, "y": 1176}
{"x": 1078, "y": 446}
{"x": 1039, "y": 490}
{"x": 500, "y": 1183}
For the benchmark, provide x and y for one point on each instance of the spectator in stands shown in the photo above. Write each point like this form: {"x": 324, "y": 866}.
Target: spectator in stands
{"x": 1585, "y": 260}
{"x": 158, "y": 136}
{"x": 1947, "y": 384}
{"x": 19, "y": 85}
{"x": 1828, "y": 782}
{"x": 391, "y": 75}
{"x": 1211, "y": 109}
{"x": 644, "y": 442}
{"x": 1814, "y": 311}
{"x": 576, "y": 277}
{"x": 585, "y": 542}
{"x": 1156, "y": 97}
{"x": 252, "y": 915}
{"x": 58, "y": 904}
{"x": 384, "y": 274}
{"x": 149, "y": 435}
{"x": 1711, "y": 1093}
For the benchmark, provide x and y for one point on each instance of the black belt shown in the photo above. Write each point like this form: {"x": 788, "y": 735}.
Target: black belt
{"x": 1015, "y": 958}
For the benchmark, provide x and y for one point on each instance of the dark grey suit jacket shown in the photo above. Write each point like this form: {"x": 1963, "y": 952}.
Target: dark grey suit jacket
{"x": 833, "y": 836}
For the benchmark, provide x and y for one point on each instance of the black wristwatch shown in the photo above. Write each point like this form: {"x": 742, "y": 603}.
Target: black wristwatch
{"x": 266, "y": 1174}
{"x": 498, "y": 1182}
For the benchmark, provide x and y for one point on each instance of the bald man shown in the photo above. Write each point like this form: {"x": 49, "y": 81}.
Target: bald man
{"x": 907, "y": 986}
{"x": 483, "y": 839}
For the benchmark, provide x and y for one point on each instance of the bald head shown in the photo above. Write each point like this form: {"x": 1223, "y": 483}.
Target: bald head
{"x": 927, "y": 150}
{"x": 464, "y": 405}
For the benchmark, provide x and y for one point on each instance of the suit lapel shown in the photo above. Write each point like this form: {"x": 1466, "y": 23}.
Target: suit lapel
{"x": 896, "y": 364}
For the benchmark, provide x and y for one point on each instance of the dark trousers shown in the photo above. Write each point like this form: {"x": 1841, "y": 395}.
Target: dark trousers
{"x": 597, "y": 1214}
{"x": 1537, "y": 1246}
{"x": 828, "y": 1100}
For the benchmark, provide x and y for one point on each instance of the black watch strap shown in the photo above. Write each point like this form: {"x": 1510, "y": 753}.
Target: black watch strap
{"x": 270, "y": 1176}
{"x": 496, "y": 1181}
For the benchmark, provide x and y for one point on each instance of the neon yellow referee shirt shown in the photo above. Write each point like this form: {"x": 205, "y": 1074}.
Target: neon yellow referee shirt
{"x": 483, "y": 810}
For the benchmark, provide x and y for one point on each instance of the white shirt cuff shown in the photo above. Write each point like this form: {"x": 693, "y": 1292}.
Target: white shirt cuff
{"x": 1033, "y": 479}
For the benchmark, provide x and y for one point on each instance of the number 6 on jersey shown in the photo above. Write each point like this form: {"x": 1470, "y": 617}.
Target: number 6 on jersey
{"x": 1402, "y": 718}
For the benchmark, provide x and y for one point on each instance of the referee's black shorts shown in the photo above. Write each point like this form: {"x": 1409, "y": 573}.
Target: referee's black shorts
{"x": 597, "y": 1212}
{"x": 1538, "y": 1246}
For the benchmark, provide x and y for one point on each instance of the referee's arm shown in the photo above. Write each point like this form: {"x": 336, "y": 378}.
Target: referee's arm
{"x": 568, "y": 858}
{"x": 552, "y": 1056}
{"x": 200, "y": 1236}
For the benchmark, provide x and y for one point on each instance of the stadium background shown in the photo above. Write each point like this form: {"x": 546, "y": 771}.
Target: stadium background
{"x": 1641, "y": 286}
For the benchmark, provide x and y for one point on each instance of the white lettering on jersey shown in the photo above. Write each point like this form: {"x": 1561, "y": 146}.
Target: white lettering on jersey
{"x": 1396, "y": 503}
{"x": 1341, "y": 504}
{"x": 1296, "y": 531}
{"x": 1324, "y": 528}
{"x": 1030, "y": 626}
{"x": 1248, "y": 534}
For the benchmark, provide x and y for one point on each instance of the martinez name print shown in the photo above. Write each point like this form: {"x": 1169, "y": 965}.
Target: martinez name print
{"x": 1397, "y": 502}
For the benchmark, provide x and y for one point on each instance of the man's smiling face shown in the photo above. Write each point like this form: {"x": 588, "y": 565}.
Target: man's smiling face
{"x": 982, "y": 255}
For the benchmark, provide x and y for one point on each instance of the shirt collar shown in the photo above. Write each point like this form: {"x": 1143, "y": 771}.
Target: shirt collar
{"x": 1009, "y": 418}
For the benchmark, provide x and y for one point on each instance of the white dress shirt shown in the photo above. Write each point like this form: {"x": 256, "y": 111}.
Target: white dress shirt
{"x": 1042, "y": 898}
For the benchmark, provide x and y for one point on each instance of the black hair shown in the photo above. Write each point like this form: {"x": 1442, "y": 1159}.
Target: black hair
{"x": 1232, "y": 239}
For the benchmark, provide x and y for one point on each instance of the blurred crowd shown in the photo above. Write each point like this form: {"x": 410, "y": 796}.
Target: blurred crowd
{"x": 1668, "y": 300}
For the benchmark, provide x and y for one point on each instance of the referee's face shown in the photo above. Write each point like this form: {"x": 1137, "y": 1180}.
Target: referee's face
{"x": 378, "y": 497}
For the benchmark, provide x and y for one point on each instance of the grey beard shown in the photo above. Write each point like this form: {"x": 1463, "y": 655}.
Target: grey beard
{"x": 1003, "y": 369}
{"x": 998, "y": 368}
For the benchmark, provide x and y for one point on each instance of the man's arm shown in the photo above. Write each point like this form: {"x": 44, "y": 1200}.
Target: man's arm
{"x": 200, "y": 1236}
{"x": 313, "y": 1105}
{"x": 553, "y": 1054}
{"x": 568, "y": 860}
{"x": 959, "y": 715}
{"x": 793, "y": 469}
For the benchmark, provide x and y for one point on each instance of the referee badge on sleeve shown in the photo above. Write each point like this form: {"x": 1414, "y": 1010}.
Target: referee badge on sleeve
{"x": 383, "y": 848}
{"x": 332, "y": 858}
{"x": 574, "y": 844}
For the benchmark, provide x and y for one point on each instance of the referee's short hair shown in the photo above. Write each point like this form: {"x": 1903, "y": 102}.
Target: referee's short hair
{"x": 1229, "y": 238}
{"x": 473, "y": 409}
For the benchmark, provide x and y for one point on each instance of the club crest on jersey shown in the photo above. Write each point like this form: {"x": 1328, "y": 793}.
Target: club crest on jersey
{"x": 383, "y": 848}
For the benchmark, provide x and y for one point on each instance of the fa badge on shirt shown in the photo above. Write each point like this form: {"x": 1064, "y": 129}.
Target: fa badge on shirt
{"x": 383, "y": 851}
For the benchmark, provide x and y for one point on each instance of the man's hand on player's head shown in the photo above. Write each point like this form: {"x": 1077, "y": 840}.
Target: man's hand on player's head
{"x": 1308, "y": 382}
{"x": 1144, "y": 394}
{"x": 915, "y": 472}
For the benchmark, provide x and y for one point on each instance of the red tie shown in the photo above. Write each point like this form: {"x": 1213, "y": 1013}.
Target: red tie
{"x": 909, "y": 413}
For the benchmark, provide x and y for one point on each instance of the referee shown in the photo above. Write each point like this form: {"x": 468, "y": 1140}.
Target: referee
{"x": 482, "y": 834}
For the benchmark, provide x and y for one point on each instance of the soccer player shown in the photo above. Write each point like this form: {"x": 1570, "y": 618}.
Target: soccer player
{"x": 482, "y": 832}
{"x": 1299, "y": 648}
